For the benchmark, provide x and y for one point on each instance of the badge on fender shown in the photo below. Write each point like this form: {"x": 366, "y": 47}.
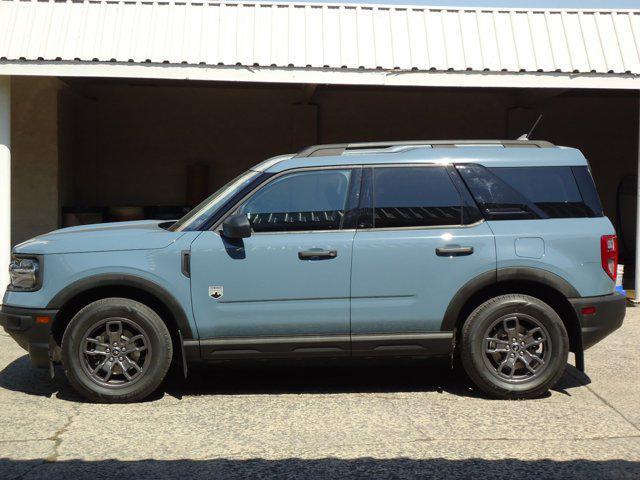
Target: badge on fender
{"x": 216, "y": 291}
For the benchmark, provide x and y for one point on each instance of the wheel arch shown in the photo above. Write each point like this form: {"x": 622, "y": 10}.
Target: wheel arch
{"x": 547, "y": 286}
{"x": 75, "y": 296}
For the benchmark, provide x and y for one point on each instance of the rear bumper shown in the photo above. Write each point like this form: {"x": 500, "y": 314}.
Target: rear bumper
{"x": 32, "y": 335}
{"x": 607, "y": 317}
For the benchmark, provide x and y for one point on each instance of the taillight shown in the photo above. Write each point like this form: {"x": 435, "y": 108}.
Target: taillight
{"x": 609, "y": 254}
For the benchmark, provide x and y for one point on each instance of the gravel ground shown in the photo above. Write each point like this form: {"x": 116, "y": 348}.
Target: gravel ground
{"x": 377, "y": 420}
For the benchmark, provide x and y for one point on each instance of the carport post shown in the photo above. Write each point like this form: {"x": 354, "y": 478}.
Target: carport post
{"x": 636, "y": 297}
{"x": 5, "y": 180}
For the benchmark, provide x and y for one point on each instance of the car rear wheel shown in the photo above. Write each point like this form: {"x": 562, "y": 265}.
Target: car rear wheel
{"x": 514, "y": 346}
{"x": 116, "y": 350}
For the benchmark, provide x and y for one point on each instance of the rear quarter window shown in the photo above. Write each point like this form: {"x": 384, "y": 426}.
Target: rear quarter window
{"x": 507, "y": 193}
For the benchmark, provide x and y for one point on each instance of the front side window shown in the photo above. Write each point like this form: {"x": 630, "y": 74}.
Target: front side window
{"x": 414, "y": 197}
{"x": 300, "y": 201}
{"x": 200, "y": 215}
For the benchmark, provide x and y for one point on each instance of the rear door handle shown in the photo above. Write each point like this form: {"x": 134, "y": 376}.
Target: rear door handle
{"x": 453, "y": 251}
{"x": 317, "y": 254}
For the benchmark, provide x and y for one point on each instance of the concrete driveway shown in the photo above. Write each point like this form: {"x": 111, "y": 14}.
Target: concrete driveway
{"x": 404, "y": 420}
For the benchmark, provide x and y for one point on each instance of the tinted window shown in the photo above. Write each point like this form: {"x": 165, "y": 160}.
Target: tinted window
{"x": 496, "y": 198}
{"x": 200, "y": 215}
{"x": 588, "y": 191}
{"x": 312, "y": 200}
{"x": 526, "y": 192}
{"x": 414, "y": 197}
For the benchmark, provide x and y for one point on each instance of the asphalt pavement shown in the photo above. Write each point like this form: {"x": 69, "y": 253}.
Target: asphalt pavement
{"x": 316, "y": 420}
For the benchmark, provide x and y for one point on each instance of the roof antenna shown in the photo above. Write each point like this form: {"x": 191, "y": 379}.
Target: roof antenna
{"x": 527, "y": 136}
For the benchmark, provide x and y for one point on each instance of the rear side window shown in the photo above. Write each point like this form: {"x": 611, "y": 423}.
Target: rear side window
{"x": 508, "y": 193}
{"x": 414, "y": 197}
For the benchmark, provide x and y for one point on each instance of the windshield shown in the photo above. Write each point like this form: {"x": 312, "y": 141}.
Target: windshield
{"x": 199, "y": 215}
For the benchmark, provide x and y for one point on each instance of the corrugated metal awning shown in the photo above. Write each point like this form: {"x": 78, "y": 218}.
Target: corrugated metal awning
{"x": 325, "y": 37}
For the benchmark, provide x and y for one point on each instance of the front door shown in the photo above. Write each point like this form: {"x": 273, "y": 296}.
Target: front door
{"x": 284, "y": 291}
{"x": 421, "y": 241}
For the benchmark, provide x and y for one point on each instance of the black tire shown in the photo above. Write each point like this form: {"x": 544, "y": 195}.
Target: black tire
{"x": 508, "y": 313}
{"x": 152, "y": 351}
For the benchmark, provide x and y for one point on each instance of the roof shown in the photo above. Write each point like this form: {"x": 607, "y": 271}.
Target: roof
{"x": 265, "y": 37}
{"x": 489, "y": 153}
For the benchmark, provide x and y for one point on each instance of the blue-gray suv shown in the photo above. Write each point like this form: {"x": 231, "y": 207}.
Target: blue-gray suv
{"x": 494, "y": 252}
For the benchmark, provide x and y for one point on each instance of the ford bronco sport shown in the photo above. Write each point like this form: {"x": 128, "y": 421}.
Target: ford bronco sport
{"x": 495, "y": 252}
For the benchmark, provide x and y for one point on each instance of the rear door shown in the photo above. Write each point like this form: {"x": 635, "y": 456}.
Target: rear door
{"x": 420, "y": 239}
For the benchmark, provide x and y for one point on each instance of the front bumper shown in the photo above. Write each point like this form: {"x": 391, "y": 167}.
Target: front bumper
{"x": 608, "y": 314}
{"x": 28, "y": 328}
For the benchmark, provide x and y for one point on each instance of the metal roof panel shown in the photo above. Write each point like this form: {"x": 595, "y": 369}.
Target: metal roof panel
{"x": 335, "y": 36}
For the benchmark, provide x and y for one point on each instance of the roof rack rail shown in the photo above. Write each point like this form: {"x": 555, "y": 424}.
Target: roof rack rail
{"x": 337, "y": 149}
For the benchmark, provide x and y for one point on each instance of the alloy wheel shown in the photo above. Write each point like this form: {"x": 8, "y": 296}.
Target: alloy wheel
{"x": 115, "y": 352}
{"x": 516, "y": 348}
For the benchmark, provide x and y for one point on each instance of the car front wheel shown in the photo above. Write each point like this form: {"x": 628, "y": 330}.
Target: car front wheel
{"x": 116, "y": 350}
{"x": 514, "y": 346}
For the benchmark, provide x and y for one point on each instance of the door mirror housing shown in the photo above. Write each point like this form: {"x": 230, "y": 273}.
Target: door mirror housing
{"x": 236, "y": 226}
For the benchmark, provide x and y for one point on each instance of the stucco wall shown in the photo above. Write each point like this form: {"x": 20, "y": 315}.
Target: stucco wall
{"x": 34, "y": 152}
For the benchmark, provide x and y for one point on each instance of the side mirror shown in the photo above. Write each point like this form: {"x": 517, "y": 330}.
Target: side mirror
{"x": 237, "y": 226}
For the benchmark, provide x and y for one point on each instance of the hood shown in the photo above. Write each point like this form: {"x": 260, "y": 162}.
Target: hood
{"x": 103, "y": 237}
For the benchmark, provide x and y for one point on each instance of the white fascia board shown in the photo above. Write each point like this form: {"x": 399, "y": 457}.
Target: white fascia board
{"x": 322, "y": 75}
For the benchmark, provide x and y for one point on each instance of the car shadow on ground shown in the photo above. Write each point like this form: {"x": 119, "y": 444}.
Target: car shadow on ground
{"x": 277, "y": 377}
{"x": 324, "y": 468}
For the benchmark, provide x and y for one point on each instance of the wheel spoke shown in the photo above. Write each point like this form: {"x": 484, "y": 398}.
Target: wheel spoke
{"x": 511, "y": 326}
{"x": 530, "y": 337}
{"x": 96, "y": 352}
{"x": 100, "y": 365}
{"x": 134, "y": 339}
{"x": 528, "y": 357}
{"x": 497, "y": 340}
{"x": 114, "y": 330}
{"x": 509, "y": 362}
{"x": 499, "y": 346}
{"x": 127, "y": 364}
{"x": 108, "y": 368}
{"x": 97, "y": 342}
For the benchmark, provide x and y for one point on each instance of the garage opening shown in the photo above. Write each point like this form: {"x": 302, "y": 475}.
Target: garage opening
{"x": 129, "y": 149}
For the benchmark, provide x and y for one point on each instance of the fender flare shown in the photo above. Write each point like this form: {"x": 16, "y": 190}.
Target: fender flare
{"x": 527, "y": 274}
{"x": 125, "y": 280}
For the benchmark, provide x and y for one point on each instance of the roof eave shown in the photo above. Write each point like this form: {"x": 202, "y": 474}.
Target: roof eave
{"x": 333, "y": 76}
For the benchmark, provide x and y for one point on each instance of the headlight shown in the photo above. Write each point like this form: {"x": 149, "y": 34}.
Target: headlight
{"x": 24, "y": 273}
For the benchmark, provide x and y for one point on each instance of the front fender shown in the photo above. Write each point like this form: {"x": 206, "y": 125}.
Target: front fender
{"x": 157, "y": 272}
{"x": 126, "y": 280}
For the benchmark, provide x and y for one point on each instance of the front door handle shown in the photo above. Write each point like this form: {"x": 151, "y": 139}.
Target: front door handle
{"x": 317, "y": 254}
{"x": 453, "y": 251}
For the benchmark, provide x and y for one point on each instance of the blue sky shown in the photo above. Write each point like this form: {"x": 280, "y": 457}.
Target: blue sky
{"x": 508, "y": 3}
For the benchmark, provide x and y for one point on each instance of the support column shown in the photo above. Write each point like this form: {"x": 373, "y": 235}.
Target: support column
{"x": 637, "y": 271}
{"x": 5, "y": 180}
